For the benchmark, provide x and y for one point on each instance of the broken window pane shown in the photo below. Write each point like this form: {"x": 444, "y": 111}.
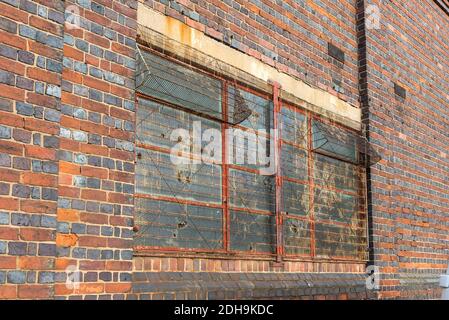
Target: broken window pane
{"x": 296, "y": 237}
{"x": 255, "y": 111}
{"x": 178, "y": 84}
{"x": 252, "y": 232}
{"x": 334, "y": 141}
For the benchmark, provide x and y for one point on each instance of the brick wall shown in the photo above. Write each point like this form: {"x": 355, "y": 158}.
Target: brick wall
{"x": 67, "y": 143}
{"x": 66, "y": 147}
{"x": 31, "y": 57}
{"x": 409, "y": 187}
{"x": 96, "y": 176}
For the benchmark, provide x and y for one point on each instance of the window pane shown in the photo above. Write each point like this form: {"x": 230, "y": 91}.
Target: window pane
{"x": 170, "y": 224}
{"x": 156, "y": 174}
{"x": 252, "y": 232}
{"x": 335, "y": 206}
{"x": 296, "y": 237}
{"x": 294, "y": 127}
{"x": 336, "y": 174}
{"x": 261, "y": 109}
{"x": 179, "y": 85}
{"x": 294, "y": 163}
{"x": 340, "y": 241}
{"x": 333, "y": 140}
{"x": 295, "y": 198}
{"x": 251, "y": 191}
{"x": 156, "y": 123}
{"x": 249, "y": 149}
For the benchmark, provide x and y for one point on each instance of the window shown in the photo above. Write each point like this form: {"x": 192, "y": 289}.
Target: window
{"x": 206, "y": 174}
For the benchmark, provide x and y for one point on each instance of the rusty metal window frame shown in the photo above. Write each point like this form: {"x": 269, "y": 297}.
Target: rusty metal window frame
{"x": 225, "y": 252}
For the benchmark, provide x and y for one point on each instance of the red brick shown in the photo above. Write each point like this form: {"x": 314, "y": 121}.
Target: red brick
{"x": 8, "y": 233}
{"x": 9, "y": 175}
{"x": 8, "y": 291}
{"x": 44, "y": 75}
{"x": 36, "y": 206}
{"x": 35, "y": 263}
{"x": 9, "y": 203}
{"x": 118, "y": 287}
{"x": 45, "y": 25}
{"x": 36, "y": 234}
{"x": 13, "y": 13}
{"x": 68, "y": 192}
{"x": 97, "y": 195}
{"x": 73, "y": 53}
{"x": 41, "y": 99}
{"x": 92, "y": 241}
{"x": 40, "y": 153}
{"x": 8, "y": 262}
{"x": 44, "y": 50}
{"x": 68, "y": 215}
{"x": 41, "y": 126}
{"x": 94, "y": 172}
{"x": 7, "y": 64}
{"x": 97, "y": 40}
{"x": 39, "y": 179}
{"x": 12, "y": 92}
{"x": 11, "y": 119}
{"x": 35, "y": 291}
{"x": 96, "y": 84}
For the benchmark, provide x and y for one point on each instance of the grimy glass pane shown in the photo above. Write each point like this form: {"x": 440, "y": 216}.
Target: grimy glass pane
{"x": 294, "y": 127}
{"x": 156, "y": 123}
{"x": 340, "y": 241}
{"x": 294, "y": 163}
{"x": 249, "y": 149}
{"x": 336, "y": 174}
{"x": 252, "y": 232}
{"x": 251, "y": 191}
{"x": 296, "y": 237}
{"x": 295, "y": 198}
{"x": 170, "y": 224}
{"x": 156, "y": 174}
{"x": 335, "y": 206}
{"x": 261, "y": 109}
{"x": 179, "y": 85}
{"x": 334, "y": 140}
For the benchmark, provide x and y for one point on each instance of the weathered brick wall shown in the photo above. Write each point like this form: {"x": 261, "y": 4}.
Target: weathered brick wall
{"x": 67, "y": 152}
{"x": 66, "y": 147}
{"x": 409, "y": 187}
{"x": 31, "y": 54}
{"x": 96, "y": 176}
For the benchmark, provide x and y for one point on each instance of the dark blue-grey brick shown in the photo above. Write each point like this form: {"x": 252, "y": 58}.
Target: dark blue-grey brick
{"x": 21, "y": 191}
{"x": 16, "y": 277}
{"x": 17, "y": 248}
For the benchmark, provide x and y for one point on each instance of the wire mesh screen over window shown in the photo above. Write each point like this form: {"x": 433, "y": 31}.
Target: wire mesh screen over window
{"x": 190, "y": 197}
